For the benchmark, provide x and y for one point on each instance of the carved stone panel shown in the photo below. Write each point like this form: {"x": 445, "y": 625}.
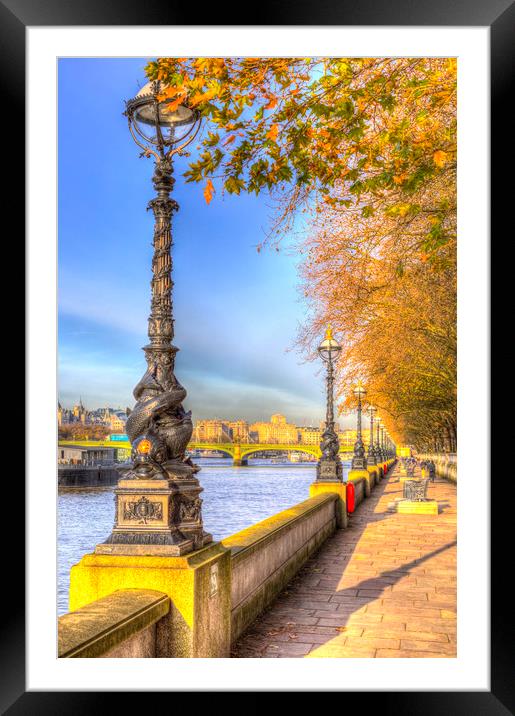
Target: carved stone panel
{"x": 189, "y": 510}
{"x": 134, "y": 510}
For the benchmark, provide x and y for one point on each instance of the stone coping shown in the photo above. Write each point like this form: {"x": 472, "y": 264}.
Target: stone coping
{"x": 257, "y": 535}
{"x": 98, "y": 627}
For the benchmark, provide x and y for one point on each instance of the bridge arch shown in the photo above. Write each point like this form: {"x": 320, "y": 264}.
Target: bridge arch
{"x": 227, "y": 448}
{"x": 307, "y": 449}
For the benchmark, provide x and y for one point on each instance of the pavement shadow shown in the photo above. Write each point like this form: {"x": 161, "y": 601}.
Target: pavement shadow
{"x": 255, "y": 641}
{"x": 378, "y": 586}
{"x": 251, "y": 643}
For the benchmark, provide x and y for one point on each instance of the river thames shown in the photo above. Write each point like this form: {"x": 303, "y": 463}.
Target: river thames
{"x": 234, "y": 498}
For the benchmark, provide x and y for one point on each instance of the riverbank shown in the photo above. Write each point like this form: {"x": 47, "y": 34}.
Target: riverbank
{"x": 81, "y": 476}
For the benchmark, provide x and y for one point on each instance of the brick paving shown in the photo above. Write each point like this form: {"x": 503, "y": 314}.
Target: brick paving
{"x": 385, "y": 587}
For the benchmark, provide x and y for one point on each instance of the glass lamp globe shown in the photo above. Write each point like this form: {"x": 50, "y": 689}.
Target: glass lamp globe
{"x": 372, "y": 410}
{"x": 158, "y": 121}
{"x": 329, "y": 345}
{"x": 359, "y": 391}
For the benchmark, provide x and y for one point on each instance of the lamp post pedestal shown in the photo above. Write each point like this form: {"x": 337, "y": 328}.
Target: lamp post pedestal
{"x": 330, "y": 470}
{"x": 157, "y": 516}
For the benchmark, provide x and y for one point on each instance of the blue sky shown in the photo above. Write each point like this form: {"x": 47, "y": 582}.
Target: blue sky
{"x": 236, "y": 311}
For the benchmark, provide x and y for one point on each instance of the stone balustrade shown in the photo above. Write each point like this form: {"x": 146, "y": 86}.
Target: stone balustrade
{"x": 446, "y": 465}
{"x": 266, "y": 556}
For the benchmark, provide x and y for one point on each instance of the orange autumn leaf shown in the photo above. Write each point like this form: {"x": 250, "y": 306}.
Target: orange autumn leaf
{"x": 271, "y": 104}
{"x": 440, "y": 158}
{"x": 209, "y": 190}
{"x": 172, "y": 106}
{"x": 205, "y": 97}
{"x": 230, "y": 139}
{"x": 273, "y": 132}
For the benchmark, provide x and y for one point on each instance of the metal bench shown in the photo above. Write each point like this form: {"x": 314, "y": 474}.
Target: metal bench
{"x": 415, "y": 490}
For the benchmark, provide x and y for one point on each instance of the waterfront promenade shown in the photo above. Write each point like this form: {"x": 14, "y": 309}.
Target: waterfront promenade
{"x": 385, "y": 587}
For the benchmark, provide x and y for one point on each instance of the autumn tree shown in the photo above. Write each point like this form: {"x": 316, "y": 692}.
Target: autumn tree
{"x": 365, "y": 148}
{"x": 81, "y": 431}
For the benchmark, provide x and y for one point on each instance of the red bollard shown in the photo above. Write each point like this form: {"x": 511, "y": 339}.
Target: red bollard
{"x": 350, "y": 494}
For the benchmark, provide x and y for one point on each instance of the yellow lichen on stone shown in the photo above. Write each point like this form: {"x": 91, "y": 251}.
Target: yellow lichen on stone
{"x": 426, "y": 507}
{"x": 338, "y": 488}
{"x": 200, "y": 613}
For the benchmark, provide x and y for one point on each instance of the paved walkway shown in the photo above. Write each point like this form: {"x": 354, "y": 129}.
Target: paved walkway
{"x": 384, "y": 587}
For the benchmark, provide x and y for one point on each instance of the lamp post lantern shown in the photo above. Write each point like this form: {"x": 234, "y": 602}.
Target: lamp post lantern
{"x": 157, "y": 496}
{"x": 371, "y": 455}
{"x": 329, "y": 467}
{"x": 359, "y": 461}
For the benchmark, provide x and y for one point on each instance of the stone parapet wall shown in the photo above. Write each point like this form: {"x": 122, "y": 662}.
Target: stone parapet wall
{"x": 266, "y": 556}
{"x": 121, "y": 625}
{"x": 446, "y": 465}
{"x": 359, "y": 490}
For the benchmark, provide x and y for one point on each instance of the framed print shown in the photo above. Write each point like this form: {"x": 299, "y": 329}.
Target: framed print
{"x": 316, "y": 243}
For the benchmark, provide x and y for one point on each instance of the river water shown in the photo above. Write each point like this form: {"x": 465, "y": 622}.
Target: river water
{"x": 234, "y": 498}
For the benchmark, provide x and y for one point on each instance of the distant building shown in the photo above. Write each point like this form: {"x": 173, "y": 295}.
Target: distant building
{"x": 212, "y": 431}
{"x": 78, "y": 414}
{"x": 347, "y": 438}
{"x": 276, "y": 431}
{"x": 309, "y": 436}
{"x": 239, "y": 430}
{"x": 117, "y": 422}
{"x": 78, "y": 455}
{"x": 114, "y": 419}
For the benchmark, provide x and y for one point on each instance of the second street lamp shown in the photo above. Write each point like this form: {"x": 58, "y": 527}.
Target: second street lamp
{"x": 329, "y": 467}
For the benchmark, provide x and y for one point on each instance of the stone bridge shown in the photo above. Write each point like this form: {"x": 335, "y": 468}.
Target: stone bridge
{"x": 238, "y": 451}
{"x": 241, "y": 451}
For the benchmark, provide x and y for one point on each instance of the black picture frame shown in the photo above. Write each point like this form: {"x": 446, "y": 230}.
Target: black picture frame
{"x": 499, "y": 15}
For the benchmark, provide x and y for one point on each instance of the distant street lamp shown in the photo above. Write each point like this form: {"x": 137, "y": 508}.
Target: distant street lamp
{"x": 378, "y": 451}
{"x": 157, "y": 497}
{"x": 371, "y": 455}
{"x": 329, "y": 467}
{"x": 359, "y": 461}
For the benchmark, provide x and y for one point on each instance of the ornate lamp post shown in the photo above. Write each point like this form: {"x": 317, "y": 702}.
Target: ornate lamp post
{"x": 371, "y": 456}
{"x": 378, "y": 451}
{"x": 157, "y": 497}
{"x": 329, "y": 466}
{"x": 359, "y": 461}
